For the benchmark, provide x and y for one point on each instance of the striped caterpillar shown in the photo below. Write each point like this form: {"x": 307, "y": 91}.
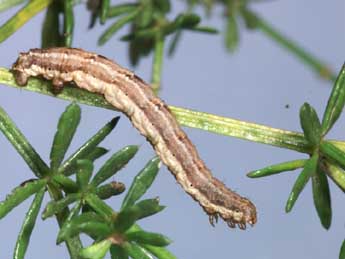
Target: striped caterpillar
{"x": 149, "y": 114}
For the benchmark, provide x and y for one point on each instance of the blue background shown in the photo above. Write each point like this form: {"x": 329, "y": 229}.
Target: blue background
{"x": 254, "y": 84}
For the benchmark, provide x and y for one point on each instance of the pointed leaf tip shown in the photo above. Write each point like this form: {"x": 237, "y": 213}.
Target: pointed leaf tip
{"x": 310, "y": 124}
{"x": 66, "y": 129}
{"x": 335, "y": 103}
{"x": 309, "y": 169}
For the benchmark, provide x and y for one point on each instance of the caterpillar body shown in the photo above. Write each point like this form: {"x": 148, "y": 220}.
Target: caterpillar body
{"x": 150, "y": 115}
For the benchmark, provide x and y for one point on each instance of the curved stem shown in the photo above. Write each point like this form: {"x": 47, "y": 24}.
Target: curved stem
{"x": 310, "y": 60}
{"x": 195, "y": 119}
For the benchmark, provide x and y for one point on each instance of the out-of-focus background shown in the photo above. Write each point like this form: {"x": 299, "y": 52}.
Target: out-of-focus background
{"x": 254, "y": 84}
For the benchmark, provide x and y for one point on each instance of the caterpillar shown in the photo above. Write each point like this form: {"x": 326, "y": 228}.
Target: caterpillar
{"x": 129, "y": 94}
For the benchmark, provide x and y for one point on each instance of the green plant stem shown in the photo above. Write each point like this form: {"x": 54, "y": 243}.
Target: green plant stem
{"x": 314, "y": 63}
{"x": 157, "y": 63}
{"x": 73, "y": 244}
{"x": 194, "y": 119}
{"x": 21, "y": 17}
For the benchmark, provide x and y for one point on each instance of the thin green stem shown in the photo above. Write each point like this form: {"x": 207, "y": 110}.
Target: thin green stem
{"x": 194, "y": 119}
{"x": 310, "y": 60}
{"x": 21, "y": 17}
{"x": 73, "y": 244}
{"x": 157, "y": 63}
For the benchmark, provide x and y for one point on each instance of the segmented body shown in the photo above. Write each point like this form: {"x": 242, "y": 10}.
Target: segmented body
{"x": 149, "y": 114}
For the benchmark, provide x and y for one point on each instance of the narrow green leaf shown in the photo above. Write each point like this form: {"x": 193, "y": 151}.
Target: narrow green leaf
{"x": 74, "y": 211}
{"x": 143, "y": 237}
{"x": 127, "y": 217}
{"x": 96, "y": 153}
{"x": 278, "y": 168}
{"x": 117, "y": 252}
{"x": 333, "y": 153}
{"x": 145, "y": 16}
{"x": 309, "y": 169}
{"x": 137, "y": 252}
{"x": 104, "y": 10}
{"x": 187, "y": 21}
{"x": 335, "y": 173}
{"x": 99, "y": 206}
{"x": 141, "y": 182}
{"x": 157, "y": 67}
{"x": 21, "y": 17}
{"x": 250, "y": 19}
{"x": 231, "y": 33}
{"x": 174, "y": 42}
{"x": 20, "y": 194}
{"x": 78, "y": 224}
{"x": 68, "y": 23}
{"x": 162, "y": 5}
{"x": 116, "y": 26}
{"x": 342, "y": 251}
{"x": 90, "y": 146}
{"x": 322, "y": 197}
{"x": 7, "y": 4}
{"x": 110, "y": 189}
{"x": 115, "y": 163}
{"x": 310, "y": 124}
{"x": 50, "y": 35}
{"x": 204, "y": 29}
{"x": 159, "y": 252}
{"x": 54, "y": 207}
{"x": 97, "y": 250}
{"x": 68, "y": 185}
{"x": 335, "y": 103}
{"x": 28, "y": 225}
{"x": 66, "y": 128}
{"x": 121, "y": 9}
{"x": 23, "y": 147}
{"x": 84, "y": 172}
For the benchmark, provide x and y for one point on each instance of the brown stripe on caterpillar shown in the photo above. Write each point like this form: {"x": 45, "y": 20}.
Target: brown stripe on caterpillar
{"x": 149, "y": 114}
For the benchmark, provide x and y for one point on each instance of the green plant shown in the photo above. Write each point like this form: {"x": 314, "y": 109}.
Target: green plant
{"x": 150, "y": 29}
